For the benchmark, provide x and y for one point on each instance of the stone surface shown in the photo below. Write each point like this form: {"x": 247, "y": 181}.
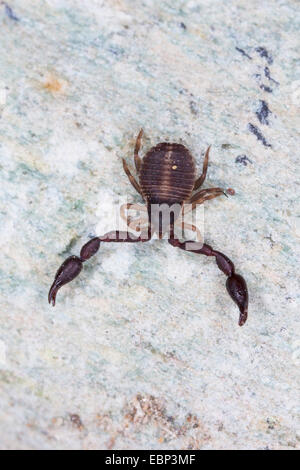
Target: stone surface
{"x": 143, "y": 349}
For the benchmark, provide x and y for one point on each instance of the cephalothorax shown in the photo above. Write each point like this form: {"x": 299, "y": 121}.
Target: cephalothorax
{"x": 166, "y": 177}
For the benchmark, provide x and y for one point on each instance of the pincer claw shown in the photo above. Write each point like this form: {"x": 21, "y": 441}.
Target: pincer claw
{"x": 237, "y": 289}
{"x": 70, "y": 268}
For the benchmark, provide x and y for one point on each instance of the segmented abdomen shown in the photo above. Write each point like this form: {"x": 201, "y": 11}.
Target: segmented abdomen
{"x": 167, "y": 174}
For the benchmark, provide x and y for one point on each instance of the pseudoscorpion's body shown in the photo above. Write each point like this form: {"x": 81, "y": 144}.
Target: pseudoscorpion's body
{"x": 166, "y": 176}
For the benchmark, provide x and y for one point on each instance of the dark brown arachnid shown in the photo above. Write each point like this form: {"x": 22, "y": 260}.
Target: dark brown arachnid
{"x": 167, "y": 176}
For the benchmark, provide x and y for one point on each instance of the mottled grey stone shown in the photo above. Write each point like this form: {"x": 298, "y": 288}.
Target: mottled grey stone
{"x": 143, "y": 350}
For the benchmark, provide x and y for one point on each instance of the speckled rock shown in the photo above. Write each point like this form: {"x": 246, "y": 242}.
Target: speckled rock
{"x": 143, "y": 349}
